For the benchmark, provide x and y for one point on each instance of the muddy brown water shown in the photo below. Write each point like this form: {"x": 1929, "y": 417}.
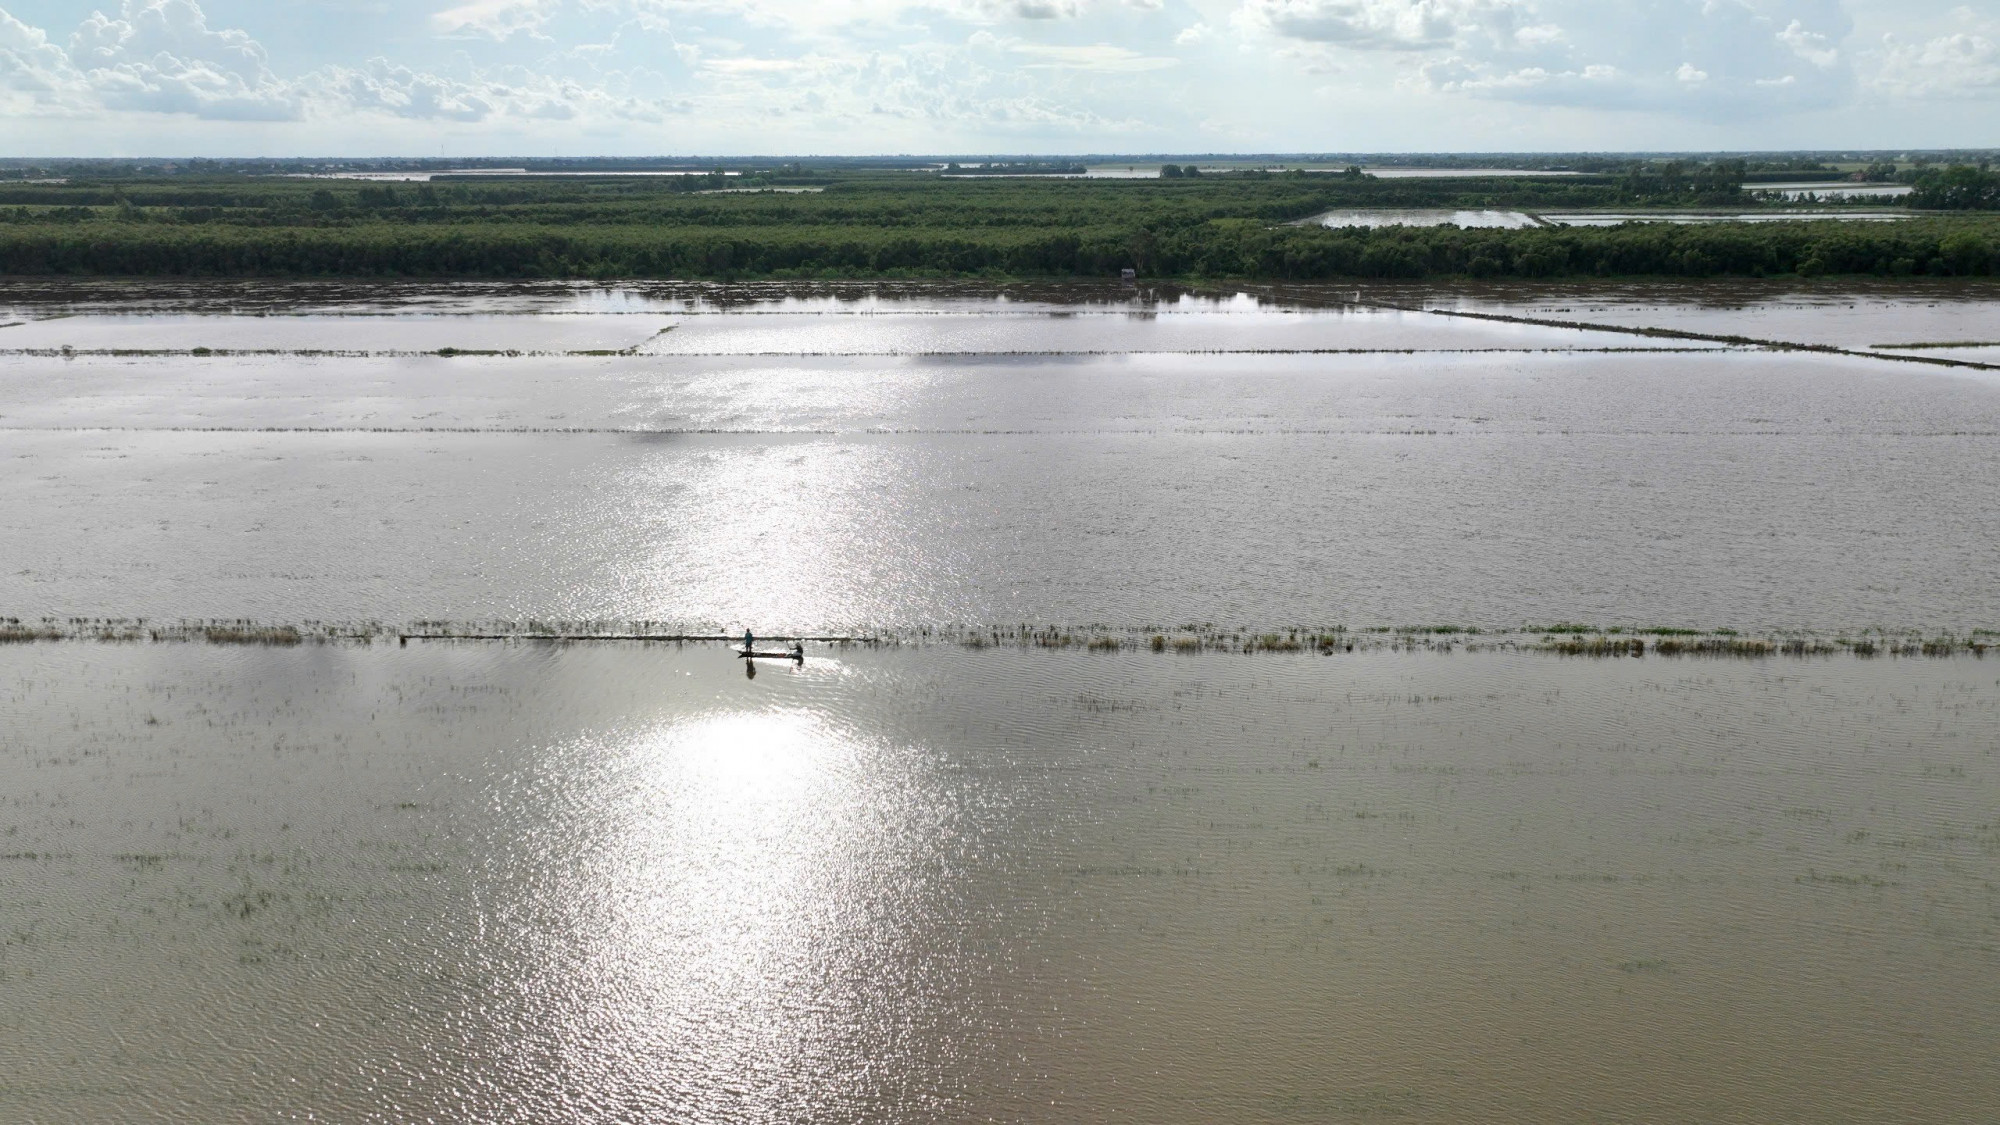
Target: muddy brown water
{"x": 532, "y": 882}
{"x": 1135, "y": 459}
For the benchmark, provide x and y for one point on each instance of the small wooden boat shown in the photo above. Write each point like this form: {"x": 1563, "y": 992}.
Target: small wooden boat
{"x": 771, "y": 654}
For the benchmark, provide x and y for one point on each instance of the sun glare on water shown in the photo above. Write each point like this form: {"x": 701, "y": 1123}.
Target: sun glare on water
{"x": 742, "y": 956}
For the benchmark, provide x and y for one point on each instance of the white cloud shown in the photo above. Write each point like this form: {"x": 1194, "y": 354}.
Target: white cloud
{"x": 751, "y": 66}
{"x": 945, "y": 75}
{"x": 1099, "y": 57}
{"x": 30, "y": 64}
{"x": 402, "y": 92}
{"x": 1810, "y": 46}
{"x": 160, "y": 55}
{"x": 495, "y": 19}
{"x": 1390, "y": 24}
{"x": 1598, "y": 55}
{"x": 1959, "y": 65}
{"x": 1042, "y": 9}
{"x": 1539, "y": 35}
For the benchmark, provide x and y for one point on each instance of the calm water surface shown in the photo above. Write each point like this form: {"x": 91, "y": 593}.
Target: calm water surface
{"x": 1502, "y": 220}
{"x": 522, "y": 882}
{"x": 519, "y": 883}
{"x": 895, "y": 461}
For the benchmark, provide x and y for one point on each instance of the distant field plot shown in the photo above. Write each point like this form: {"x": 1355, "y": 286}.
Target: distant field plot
{"x": 406, "y": 331}
{"x": 997, "y": 331}
{"x": 1244, "y": 479}
{"x": 1841, "y": 317}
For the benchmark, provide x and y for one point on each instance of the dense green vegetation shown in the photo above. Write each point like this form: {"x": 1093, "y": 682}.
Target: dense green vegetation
{"x": 1958, "y": 188}
{"x": 820, "y": 223}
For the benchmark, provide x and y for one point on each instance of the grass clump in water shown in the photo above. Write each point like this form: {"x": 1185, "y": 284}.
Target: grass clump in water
{"x": 1714, "y": 646}
{"x": 13, "y": 632}
{"x": 248, "y": 634}
{"x": 1600, "y": 646}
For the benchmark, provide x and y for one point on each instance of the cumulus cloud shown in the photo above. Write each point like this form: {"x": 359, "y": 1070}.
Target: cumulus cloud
{"x": 31, "y": 65}
{"x": 979, "y": 86}
{"x": 1712, "y": 58}
{"x": 1960, "y": 65}
{"x": 401, "y": 92}
{"x": 161, "y": 55}
{"x": 1811, "y": 46}
{"x": 1099, "y": 57}
{"x": 1042, "y": 9}
{"x": 886, "y": 73}
{"x": 495, "y": 19}
{"x": 1390, "y": 24}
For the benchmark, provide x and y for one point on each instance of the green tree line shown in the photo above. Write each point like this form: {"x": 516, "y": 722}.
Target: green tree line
{"x": 1217, "y": 225}
{"x": 1211, "y": 249}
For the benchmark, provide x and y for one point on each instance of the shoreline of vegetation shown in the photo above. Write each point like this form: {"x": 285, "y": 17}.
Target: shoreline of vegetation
{"x": 1235, "y": 226}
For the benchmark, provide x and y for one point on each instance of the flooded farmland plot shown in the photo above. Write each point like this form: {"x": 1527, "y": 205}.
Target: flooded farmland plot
{"x": 1854, "y": 316}
{"x": 1310, "y": 706}
{"x": 530, "y": 883}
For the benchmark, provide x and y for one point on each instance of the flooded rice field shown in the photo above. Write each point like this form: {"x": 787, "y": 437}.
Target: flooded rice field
{"x": 1686, "y": 218}
{"x": 1498, "y": 220}
{"x": 534, "y": 883}
{"x": 1834, "y": 190}
{"x": 815, "y": 463}
{"x": 1523, "y": 220}
{"x": 1958, "y": 322}
{"x": 1010, "y": 866}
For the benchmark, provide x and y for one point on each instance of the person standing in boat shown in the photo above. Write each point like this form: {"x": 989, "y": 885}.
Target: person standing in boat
{"x": 749, "y": 643}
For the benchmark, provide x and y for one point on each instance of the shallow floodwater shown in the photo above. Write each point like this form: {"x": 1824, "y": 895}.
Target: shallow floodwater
{"x": 1505, "y": 220}
{"x": 1878, "y": 318}
{"x": 1835, "y": 190}
{"x": 1696, "y": 218}
{"x": 532, "y": 883}
{"x": 529, "y": 882}
{"x": 817, "y": 463}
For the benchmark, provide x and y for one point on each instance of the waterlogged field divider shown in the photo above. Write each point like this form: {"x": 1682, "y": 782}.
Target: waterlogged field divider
{"x": 599, "y": 353}
{"x": 902, "y": 431}
{"x": 1563, "y": 639}
{"x": 1749, "y": 342}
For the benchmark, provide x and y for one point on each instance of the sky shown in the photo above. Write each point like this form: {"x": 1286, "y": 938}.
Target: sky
{"x": 447, "y": 78}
